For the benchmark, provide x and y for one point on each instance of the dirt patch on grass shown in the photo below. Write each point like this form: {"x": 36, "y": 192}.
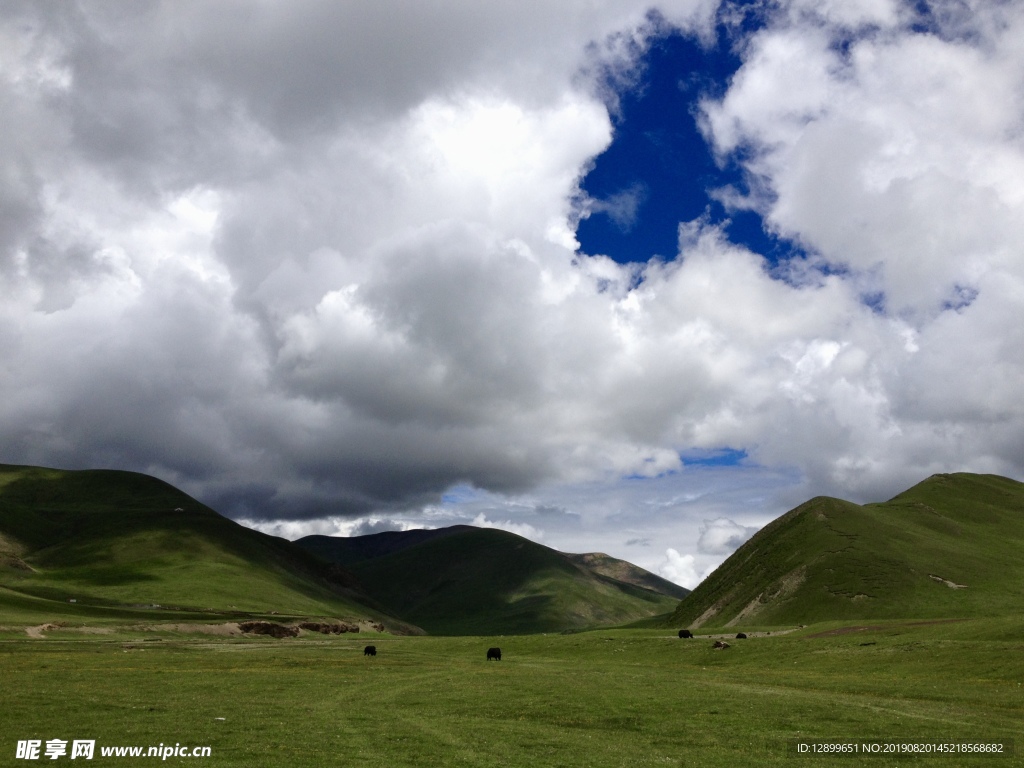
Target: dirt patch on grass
{"x": 370, "y": 626}
{"x": 38, "y": 630}
{"x": 89, "y": 630}
{"x": 237, "y": 629}
{"x": 328, "y": 627}
{"x": 226, "y": 629}
{"x": 947, "y": 582}
{"x": 779, "y": 591}
{"x": 749, "y": 611}
{"x": 268, "y": 628}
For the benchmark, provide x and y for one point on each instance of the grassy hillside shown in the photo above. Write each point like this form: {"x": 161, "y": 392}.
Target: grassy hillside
{"x": 952, "y": 546}
{"x": 119, "y": 542}
{"x": 485, "y": 581}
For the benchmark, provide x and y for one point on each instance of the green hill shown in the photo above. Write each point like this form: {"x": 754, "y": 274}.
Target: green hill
{"x": 104, "y": 542}
{"x": 486, "y": 581}
{"x": 951, "y": 546}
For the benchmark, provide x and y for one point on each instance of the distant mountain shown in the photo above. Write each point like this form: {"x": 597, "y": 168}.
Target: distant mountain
{"x": 621, "y": 570}
{"x": 347, "y": 550}
{"x": 466, "y": 580}
{"x": 122, "y": 541}
{"x": 951, "y": 546}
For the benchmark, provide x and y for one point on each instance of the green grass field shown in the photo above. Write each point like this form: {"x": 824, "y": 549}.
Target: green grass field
{"x": 602, "y": 698}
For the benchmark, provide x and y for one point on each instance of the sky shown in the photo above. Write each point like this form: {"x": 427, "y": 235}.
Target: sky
{"x": 616, "y": 276}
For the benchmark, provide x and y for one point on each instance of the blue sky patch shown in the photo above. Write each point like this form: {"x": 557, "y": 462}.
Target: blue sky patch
{"x": 659, "y": 171}
{"x": 726, "y": 457}
{"x": 459, "y": 494}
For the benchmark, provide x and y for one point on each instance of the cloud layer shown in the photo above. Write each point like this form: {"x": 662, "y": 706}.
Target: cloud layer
{"x": 312, "y": 259}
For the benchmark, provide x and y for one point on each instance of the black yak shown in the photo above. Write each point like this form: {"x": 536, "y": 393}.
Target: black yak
{"x": 741, "y": 636}
{"x": 494, "y": 653}
{"x": 370, "y": 650}
{"x": 685, "y": 633}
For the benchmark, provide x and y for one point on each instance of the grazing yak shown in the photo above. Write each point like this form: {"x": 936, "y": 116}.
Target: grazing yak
{"x": 685, "y": 633}
{"x": 494, "y": 653}
{"x": 370, "y": 650}
{"x": 741, "y": 636}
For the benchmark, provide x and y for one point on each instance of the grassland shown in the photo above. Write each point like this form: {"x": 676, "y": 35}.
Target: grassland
{"x": 603, "y": 698}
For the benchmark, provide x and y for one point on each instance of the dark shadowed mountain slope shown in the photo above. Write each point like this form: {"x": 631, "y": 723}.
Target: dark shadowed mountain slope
{"x": 950, "y": 546}
{"x": 484, "y": 581}
{"x": 346, "y": 550}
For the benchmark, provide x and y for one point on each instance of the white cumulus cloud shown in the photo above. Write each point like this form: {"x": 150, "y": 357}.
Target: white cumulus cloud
{"x": 317, "y": 261}
{"x": 679, "y": 569}
{"x": 722, "y": 536}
